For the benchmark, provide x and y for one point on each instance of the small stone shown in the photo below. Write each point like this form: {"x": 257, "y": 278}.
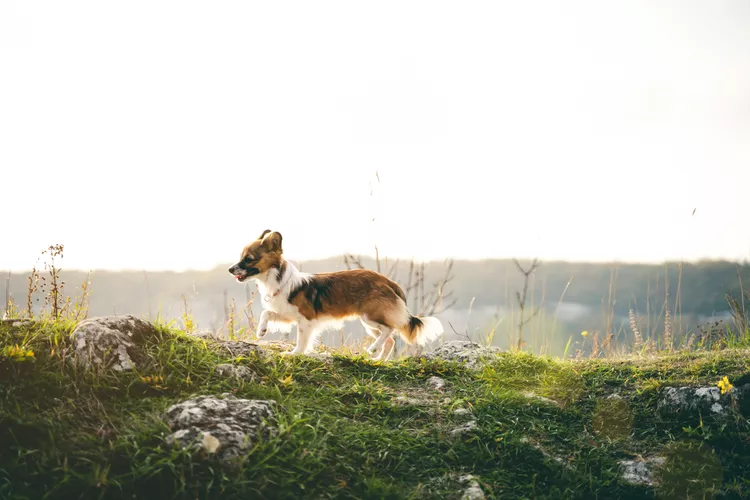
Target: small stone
{"x": 473, "y": 491}
{"x": 531, "y": 395}
{"x": 471, "y": 354}
{"x": 435, "y": 383}
{"x": 235, "y": 371}
{"x": 210, "y": 443}
{"x": 203, "y": 334}
{"x": 640, "y": 472}
{"x": 462, "y": 412}
{"x": 464, "y": 429}
{"x": 405, "y": 400}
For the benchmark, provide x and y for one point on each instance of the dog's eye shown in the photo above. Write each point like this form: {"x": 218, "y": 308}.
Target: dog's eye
{"x": 248, "y": 259}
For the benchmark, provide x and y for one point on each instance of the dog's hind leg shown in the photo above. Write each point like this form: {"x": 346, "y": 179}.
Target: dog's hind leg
{"x": 375, "y": 331}
{"x": 385, "y": 333}
{"x": 388, "y": 346}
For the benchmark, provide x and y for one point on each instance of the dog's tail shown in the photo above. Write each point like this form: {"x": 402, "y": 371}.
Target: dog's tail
{"x": 421, "y": 330}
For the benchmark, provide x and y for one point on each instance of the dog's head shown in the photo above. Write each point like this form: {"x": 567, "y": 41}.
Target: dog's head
{"x": 259, "y": 256}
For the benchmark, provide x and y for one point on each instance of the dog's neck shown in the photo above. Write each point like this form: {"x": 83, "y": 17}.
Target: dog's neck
{"x": 280, "y": 280}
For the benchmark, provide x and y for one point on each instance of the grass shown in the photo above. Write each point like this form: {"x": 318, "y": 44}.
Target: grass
{"x": 67, "y": 433}
{"x": 353, "y": 428}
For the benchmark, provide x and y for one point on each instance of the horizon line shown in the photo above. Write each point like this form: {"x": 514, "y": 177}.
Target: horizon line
{"x": 700, "y": 260}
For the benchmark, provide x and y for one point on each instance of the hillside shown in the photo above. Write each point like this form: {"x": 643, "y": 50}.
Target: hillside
{"x": 336, "y": 425}
{"x": 572, "y": 296}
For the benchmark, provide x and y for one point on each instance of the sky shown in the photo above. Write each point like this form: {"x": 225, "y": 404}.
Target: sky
{"x": 167, "y": 135}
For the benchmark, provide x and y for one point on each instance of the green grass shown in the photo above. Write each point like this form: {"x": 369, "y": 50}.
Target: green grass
{"x": 67, "y": 433}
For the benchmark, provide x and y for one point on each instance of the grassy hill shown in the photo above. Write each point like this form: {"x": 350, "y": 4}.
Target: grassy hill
{"x": 523, "y": 426}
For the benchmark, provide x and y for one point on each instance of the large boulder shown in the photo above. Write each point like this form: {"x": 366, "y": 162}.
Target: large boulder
{"x": 110, "y": 341}
{"x": 706, "y": 400}
{"x": 221, "y": 426}
{"x": 471, "y": 354}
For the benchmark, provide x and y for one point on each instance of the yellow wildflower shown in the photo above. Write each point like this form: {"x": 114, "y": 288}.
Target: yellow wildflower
{"x": 725, "y": 385}
{"x": 584, "y": 333}
{"x": 16, "y": 353}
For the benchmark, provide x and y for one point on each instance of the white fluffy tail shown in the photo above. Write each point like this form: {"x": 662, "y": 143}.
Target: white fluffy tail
{"x": 421, "y": 330}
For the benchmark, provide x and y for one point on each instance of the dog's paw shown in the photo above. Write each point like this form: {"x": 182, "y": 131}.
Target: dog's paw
{"x": 261, "y": 332}
{"x": 290, "y": 353}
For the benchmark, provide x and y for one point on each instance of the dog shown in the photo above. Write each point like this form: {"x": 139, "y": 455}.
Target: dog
{"x": 316, "y": 302}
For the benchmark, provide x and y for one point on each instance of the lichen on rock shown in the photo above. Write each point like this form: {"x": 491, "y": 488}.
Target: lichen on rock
{"x": 225, "y": 426}
{"x": 110, "y": 341}
{"x": 470, "y": 354}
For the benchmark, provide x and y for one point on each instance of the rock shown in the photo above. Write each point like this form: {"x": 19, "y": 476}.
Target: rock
{"x": 17, "y": 322}
{"x": 110, "y": 341}
{"x": 707, "y": 400}
{"x": 406, "y": 400}
{"x": 473, "y": 491}
{"x": 238, "y": 347}
{"x": 223, "y": 426}
{"x": 470, "y": 354}
{"x": 203, "y": 334}
{"x": 462, "y": 412}
{"x": 235, "y": 371}
{"x": 435, "y": 383}
{"x": 464, "y": 429}
{"x": 640, "y": 472}
{"x": 543, "y": 399}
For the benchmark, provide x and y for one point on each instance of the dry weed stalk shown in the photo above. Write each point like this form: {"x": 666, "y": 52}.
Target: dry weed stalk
{"x": 637, "y": 336}
{"x": 595, "y": 345}
{"x": 56, "y": 285}
{"x": 6, "y": 310}
{"x": 32, "y": 288}
{"x": 667, "y": 325}
{"x": 521, "y": 298}
{"x": 251, "y": 324}
{"x": 691, "y": 341}
{"x": 81, "y": 306}
{"x": 737, "y": 310}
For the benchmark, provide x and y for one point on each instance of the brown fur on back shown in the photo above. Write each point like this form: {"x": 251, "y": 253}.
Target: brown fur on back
{"x": 346, "y": 293}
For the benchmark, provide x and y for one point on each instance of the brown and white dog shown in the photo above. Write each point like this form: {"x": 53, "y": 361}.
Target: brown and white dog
{"x": 316, "y": 302}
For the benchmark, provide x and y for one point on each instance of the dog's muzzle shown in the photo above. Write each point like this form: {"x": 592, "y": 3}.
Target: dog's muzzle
{"x": 241, "y": 274}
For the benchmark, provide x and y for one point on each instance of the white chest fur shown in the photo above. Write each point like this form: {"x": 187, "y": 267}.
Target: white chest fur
{"x": 274, "y": 295}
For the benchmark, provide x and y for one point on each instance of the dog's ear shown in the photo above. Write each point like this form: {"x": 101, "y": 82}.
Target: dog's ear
{"x": 272, "y": 241}
{"x": 263, "y": 234}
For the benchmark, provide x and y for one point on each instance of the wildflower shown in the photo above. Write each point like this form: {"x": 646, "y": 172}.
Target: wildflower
{"x": 584, "y": 334}
{"x": 725, "y": 385}
{"x": 16, "y": 353}
{"x": 155, "y": 381}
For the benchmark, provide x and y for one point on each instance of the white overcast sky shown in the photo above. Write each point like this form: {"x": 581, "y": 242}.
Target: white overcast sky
{"x": 168, "y": 134}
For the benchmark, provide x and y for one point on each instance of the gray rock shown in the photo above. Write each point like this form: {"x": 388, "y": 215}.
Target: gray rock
{"x": 640, "y": 472}
{"x": 464, "y": 429}
{"x": 470, "y": 354}
{"x": 110, "y": 341}
{"x": 238, "y": 347}
{"x": 462, "y": 412}
{"x": 223, "y": 426}
{"x": 542, "y": 399}
{"x": 473, "y": 491}
{"x": 203, "y": 334}
{"x": 435, "y": 383}
{"x": 707, "y": 400}
{"x": 235, "y": 371}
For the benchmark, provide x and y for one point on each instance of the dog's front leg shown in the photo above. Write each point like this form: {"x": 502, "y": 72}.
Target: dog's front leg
{"x": 304, "y": 333}
{"x": 265, "y": 317}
